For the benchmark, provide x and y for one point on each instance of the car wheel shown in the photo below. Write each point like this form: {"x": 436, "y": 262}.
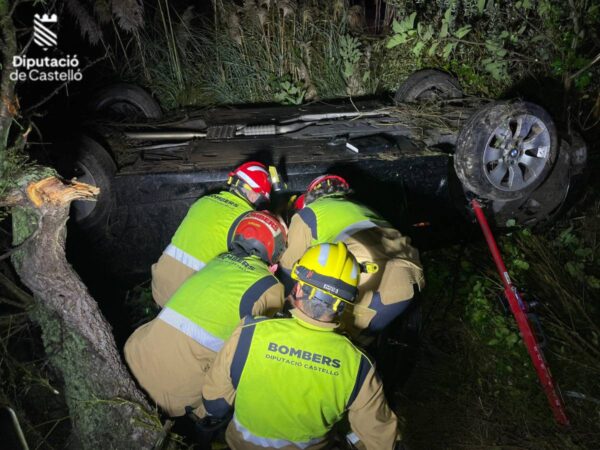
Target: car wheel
{"x": 92, "y": 164}
{"x": 548, "y": 201}
{"x": 428, "y": 85}
{"x": 124, "y": 101}
{"x": 506, "y": 150}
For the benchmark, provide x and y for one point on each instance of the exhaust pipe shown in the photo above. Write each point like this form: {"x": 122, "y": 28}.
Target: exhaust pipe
{"x": 217, "y": 132}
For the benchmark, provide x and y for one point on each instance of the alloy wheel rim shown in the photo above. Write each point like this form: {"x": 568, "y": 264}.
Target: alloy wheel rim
{"x": 517, "y": 152}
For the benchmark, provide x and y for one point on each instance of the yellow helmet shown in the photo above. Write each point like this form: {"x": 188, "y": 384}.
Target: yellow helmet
{"x": 331, "y": 271}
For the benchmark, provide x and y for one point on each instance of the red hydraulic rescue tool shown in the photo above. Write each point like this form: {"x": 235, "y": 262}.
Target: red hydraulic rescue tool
{"x": 519, "y": 310}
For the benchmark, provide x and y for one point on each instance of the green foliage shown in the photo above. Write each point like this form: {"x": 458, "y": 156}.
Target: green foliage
{"x": 424, "y": 37}
{"x": 481, "y": 6}
{"x": 501, "y": 40}
{"x": 582, "y": 259}
{"x": 443, "y": 42}
{"x": 484, "y": 308}
{"x": 15, "y": 164}
{"x": 350, "y": 54}
{"x": 404, "y": 31}
{"x": 249, "y": 55}
{"x": 290, "y": 93}
{"x": 236, "y": 58}
{"x": 479, "y": 378}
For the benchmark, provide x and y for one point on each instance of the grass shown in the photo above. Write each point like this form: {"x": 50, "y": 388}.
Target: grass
{"x": 247, "y": 55}
{"x": 290, "y": 52}
{"x": 27, "y": 385}
{"x": 473, "y": 387}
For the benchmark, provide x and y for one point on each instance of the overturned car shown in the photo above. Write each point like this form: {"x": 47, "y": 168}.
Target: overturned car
{"x": 414, "y": 159}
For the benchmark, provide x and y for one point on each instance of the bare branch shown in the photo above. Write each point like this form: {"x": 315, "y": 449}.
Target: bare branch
{"x": 15, "y": 291}
{"x": 10, "y": 318}
{"x": 11, "y": 12}
{"x": 26, "y": 46}
{"x": 57, "y": 90}
{"x": 17, "y": 247}
{"x": 586, "y": 67}
{"x": 14, "y": 303}
{"x": 14, "y": 198}
{"x": 8, "y": 107}
{"x": 54, "y": 191}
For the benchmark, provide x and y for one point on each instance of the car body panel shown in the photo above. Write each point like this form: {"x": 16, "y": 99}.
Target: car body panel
{"x": 397, "y": 158}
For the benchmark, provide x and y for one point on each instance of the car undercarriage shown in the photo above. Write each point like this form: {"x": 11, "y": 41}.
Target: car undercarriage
{"x": 416, "y": 160}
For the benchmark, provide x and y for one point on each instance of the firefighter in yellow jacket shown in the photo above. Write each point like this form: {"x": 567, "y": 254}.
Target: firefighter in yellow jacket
{"x": 290, "y": 380}
{"x": 390, "y": 266}
{"x": 170, "y": 355}
{"x": 203, "y": 234}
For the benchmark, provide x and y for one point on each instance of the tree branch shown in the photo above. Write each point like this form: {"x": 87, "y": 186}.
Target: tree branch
{"x": 26, "y": 46}
{"x": 586, "y": 67}
{"x": 17, "y": 247}
{"x": 16, "y": 291}
{"x": 8, "y": 301}
{"x": 6, "y": 15}
{"x": 54, "y": 191}
{"x": 77, "y": 337}
{"x": 11, "y": 199}
{"x": 57, "y": 90}
{"x": 575, "y": 19}
{"x": 8, "y": 108}
{"x": 14, "y": 6}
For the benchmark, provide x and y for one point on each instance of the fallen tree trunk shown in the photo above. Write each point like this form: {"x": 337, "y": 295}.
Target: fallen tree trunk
{"x": 107, "y": 410}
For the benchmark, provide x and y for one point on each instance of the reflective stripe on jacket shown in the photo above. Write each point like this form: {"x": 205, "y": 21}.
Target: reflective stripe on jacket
{"x": 210, "y": 304}
{"x": 170, "y": 355}
{"x": 311, "y": 376}
{"x": 384, "y": 294}
{"x": 204, "y": 232}
{"x": 336, "y": 219}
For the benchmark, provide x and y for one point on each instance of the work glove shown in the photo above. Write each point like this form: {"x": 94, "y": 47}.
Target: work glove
{"x": 207, "y": 423}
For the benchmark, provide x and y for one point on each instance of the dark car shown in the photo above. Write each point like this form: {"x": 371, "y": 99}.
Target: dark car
{"x": 414, "y": 159}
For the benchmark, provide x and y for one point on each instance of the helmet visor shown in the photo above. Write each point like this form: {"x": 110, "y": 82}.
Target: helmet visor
{"x": 332, "y": 286}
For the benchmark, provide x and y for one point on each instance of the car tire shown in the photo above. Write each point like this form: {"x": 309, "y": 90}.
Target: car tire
{"x": 92, "y": 164}
{"x": 428, "y": 85}
{"x": 123, "y": 101}
{"x": 506, "y": 150}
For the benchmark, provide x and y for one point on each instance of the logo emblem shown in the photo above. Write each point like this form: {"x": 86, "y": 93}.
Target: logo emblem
{"x": 330, "y": 288}
{"x": 43, "y": 35}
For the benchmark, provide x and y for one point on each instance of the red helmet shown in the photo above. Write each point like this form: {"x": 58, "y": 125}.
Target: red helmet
{"x": 324, "y": 185}
{"x": 251, "y": 177}
{"x": 262, "y": 234}
{"x": 298, "y": 202}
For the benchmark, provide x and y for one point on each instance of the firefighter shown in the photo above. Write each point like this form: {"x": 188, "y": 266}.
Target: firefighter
{"x": 170, "y": 355}
{"x": 290, "y": 380}
{"x": 391, "y": 269}
{"x": 203, "y": 233}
